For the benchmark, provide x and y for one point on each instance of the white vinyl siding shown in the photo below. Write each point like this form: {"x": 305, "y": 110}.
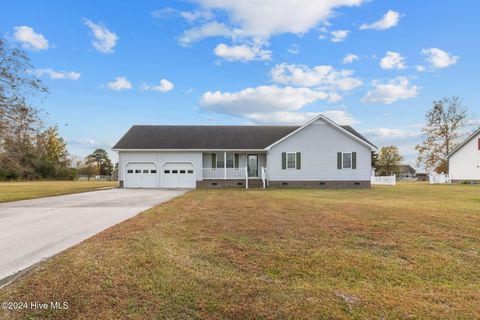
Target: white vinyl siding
{"x": 319, "y": 144}
{"x": 465, "y": 163}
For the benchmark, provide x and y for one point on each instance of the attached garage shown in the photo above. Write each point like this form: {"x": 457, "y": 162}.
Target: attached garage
{"x": 178, "y": 175}
{"x": 141, "y": 175}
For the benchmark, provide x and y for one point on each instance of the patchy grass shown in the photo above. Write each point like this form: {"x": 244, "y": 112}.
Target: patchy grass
{"x": 12, "y": 191}
{"x": 410, "y": 251}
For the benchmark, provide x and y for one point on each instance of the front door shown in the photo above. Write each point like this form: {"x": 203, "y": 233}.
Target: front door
{"x": 252, "y": 164}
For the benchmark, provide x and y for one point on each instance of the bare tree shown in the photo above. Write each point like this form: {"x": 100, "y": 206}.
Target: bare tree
{"x": 442, "y": 132}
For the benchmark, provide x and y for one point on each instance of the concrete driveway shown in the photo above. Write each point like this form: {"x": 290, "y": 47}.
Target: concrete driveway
{"x": 32, "y": 230}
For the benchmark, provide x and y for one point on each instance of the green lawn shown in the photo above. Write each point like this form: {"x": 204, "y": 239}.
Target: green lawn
{"x": 405, "y": 252}
{"x": 11, "y": 191}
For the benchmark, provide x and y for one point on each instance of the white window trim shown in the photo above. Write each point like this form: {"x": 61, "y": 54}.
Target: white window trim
{"x": 295, "y": 157}
{"x": 351, "y": 160}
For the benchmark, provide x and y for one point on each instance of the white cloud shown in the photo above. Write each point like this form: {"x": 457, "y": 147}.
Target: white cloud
{"x": 120, "y": 83}
{"x": 242, "y": 52}
{"x": 439, "y": 58}
{"x": 389, "y": 20}
{"x": 341, "y": 117}
{"x": 389, "y": 133}
{"x": 164, "y": 13}
{"x": 390, "y": 92}
{"x": 393, "y": 60}
{"x": 264, "y": 18}
{"x": 350, "y": 58}
{"x": 339, "y": 35}
{"x": 323, "y": 76}
{"x": 164, "y": 86}
{"x": 211, "y": 29}
{"x": 294, "y": 49}
{"x": 282, "y": 117}
{"x": 263, "y": 103}
{"x": 30, "y": 39}
{"x": 105, "y": 40}
{"x": 198, "y": 15}
{"x": 56, "y": 75}
{"x": 420, "y": 68}
{"x": 474, "y": 123}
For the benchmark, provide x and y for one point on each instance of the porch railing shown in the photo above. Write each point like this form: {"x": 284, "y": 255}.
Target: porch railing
{"x": 224, "y": 173}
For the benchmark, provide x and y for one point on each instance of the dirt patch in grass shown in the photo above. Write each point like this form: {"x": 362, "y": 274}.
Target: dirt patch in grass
{"x": 411, "y": 251}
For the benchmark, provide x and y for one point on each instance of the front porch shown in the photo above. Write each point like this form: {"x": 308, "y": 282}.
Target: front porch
{"x": 235, "y": 167}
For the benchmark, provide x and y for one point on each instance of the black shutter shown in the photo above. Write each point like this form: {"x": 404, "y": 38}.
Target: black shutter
{"x": 284, "y": 160}
{"x": 339, "y": 160}
{"x": 354, "y": 160}
{"x": 299, "y": 159}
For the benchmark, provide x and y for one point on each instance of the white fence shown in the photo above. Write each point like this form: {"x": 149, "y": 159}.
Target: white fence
{"x": 441, "y": 178}
{"x": 220, "y": 173}
{"x": 386, "y": 180}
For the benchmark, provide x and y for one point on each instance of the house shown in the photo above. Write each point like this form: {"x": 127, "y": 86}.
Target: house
{"x": 405, "y": 172}
{"x": 464, "y": 160}
{"x": 318, "y": 154}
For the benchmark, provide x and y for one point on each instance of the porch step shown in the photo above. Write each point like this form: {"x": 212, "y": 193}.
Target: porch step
{"x": 255, "y": 183}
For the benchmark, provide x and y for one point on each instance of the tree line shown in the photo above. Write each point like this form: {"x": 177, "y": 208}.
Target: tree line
{"x": 28, "y": 150}
{"x": 443, "y": 130}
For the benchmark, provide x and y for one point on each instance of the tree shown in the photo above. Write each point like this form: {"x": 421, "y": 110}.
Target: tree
{"x": 442, "y": 132}
{"x": 100, "y": 158}
{"x": 16, "y": 83}
{"x": 389, "y": 159}
{"x": 88, "y": 169}
{"x": 19, "y": 122}
{"x": 374, "y": 159}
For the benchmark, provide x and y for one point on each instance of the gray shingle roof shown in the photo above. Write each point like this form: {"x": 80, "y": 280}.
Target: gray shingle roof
{"x": 207, "y": 137}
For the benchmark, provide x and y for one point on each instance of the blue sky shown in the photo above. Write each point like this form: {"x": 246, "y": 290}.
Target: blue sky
{"x": 112, "y": 64}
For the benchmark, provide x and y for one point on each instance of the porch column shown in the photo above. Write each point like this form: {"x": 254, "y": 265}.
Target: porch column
{"x": 225, "y": 165}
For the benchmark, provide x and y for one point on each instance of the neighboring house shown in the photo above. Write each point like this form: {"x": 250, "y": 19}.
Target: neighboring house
{"x": 406, "y": 172}
{"x": 464, "y": 160}
{"x": 318, "y": 154}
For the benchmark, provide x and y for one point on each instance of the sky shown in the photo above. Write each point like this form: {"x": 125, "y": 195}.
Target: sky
{"x": 376, "y": 65}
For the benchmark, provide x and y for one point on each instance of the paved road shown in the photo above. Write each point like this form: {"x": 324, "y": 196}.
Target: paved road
{"x": 32, "y": 230}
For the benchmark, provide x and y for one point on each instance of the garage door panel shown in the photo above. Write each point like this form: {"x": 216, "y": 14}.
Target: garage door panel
{"x": 178, "y": 175}
{"x": 141, "y": 175}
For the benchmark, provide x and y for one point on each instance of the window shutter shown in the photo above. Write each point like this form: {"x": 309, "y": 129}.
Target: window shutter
{"x": 354, "y": 160}
{"x": 339, "y": 160}
{"x": 284, "y": 160}
{"x": 299, "y": 158}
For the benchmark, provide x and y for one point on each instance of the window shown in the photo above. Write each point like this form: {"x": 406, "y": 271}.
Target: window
{"x": 138, "y": 171}
{"x": 153, "y": 171}
{"x": 182, "y": 171}
{"x": 291, "y": 160}
{"x": 166, "y": 171}
{"x": 220, "y": 163}
{"x": 129, "y": 171}
{"x": 145, "y": 171}
{"x": 190, "y": 171}
{"x": 174, "y": 171}
{"x": 347, "y": 160}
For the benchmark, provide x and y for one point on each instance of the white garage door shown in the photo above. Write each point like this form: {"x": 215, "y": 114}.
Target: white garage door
{"x": 141, "y": 175}
{"x": 178, "y": 175}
